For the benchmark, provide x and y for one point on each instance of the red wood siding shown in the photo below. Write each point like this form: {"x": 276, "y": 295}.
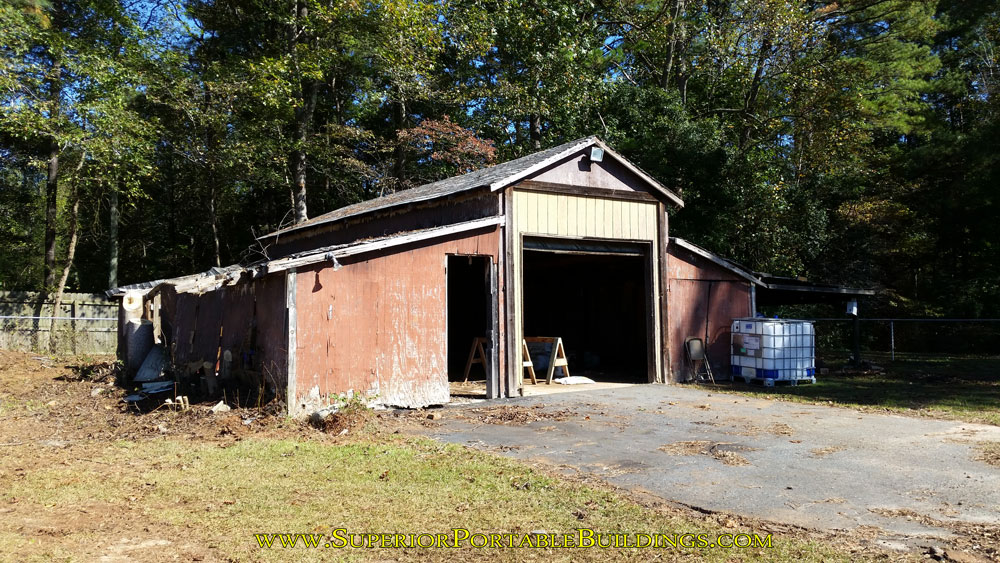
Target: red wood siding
{"x": 703, "y": 300}
{"x": 196, "y": 322}
{"x": 377, "y": 325}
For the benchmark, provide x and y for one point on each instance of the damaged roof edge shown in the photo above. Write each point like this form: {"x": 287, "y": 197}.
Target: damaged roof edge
{"x": 215, "y": 278}
{"x": 121, "y": 290}
{"x": 766, "y": 281}
{"x": 215, "y": 274}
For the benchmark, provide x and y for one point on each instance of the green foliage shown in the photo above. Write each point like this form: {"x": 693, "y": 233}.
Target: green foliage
{"x": 850, "y": 141}
{"x": 72, "y": 75}
{"x": 20, "y": 224}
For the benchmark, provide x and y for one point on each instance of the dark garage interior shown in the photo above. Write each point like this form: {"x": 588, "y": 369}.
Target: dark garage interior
{"x": 468, "y": 312}
{"x": 595, "y": 302}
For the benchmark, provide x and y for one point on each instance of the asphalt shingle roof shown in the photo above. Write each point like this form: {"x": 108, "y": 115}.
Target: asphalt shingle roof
{"x": 442, "y": 188}
{"x": 493, "y": 177}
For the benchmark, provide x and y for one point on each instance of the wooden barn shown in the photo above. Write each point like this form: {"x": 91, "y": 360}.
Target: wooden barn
{"x": 387, "y": 297}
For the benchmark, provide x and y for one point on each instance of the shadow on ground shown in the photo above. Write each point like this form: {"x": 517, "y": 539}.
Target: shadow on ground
{"x": 966, "y": 387}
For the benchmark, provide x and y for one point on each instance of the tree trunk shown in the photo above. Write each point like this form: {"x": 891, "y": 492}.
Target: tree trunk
{"x": 750, "y": 102}
{"x": 54, "y": 84}
{"x": 51, "y": 216}
{"x": 399, "y": 158}
{"x": 212, "y": 173}
{"x": 67, "y": 266}
{"x": 536, "y": 131}
{"x": 113, "y": 243}
{"x": 303, "y": 117}
{"x": 668, "y": 71}
{"x": 299, "y": 163}
{"x": 213, "y": 218}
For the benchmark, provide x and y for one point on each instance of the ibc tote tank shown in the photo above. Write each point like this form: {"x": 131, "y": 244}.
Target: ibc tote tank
{"x": 772, "y": 350}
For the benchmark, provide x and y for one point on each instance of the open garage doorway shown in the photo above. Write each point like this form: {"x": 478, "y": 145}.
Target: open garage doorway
{"x": 471, "y": 322}
{"x": 596, "y": 297}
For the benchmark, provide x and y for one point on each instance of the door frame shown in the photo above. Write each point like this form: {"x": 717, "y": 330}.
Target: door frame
{"x": 646, "y": 248}
{"x": 492, "y": 327}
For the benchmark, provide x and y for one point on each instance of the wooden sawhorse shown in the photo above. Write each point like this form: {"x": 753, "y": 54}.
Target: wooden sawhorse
{"x": 557, "y": 357}
{"x": 477, "y": 355}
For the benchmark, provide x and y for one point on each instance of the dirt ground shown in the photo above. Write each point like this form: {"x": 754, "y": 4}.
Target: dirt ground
{"x": 54, "y": 415}
{"x": 512, "y": 414}
{"x": 57, "y": 419}
{"x": 59, "y": 404}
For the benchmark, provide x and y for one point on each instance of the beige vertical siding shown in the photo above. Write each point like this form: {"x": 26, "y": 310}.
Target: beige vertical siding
{"x": 564, "y": 215}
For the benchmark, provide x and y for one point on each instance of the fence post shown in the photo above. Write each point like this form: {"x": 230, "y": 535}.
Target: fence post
{"x": 892, "y": 339}
{"x": 72, "y": 327}
{"x": 857, "y": 341}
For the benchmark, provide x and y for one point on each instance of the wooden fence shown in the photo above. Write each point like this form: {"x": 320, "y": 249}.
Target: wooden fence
{"x": 86, "y": 323}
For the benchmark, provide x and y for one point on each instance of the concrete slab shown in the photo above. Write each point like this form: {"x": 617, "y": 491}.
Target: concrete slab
{"x": 542, "y": 388}
{"x": 477, "y": 389}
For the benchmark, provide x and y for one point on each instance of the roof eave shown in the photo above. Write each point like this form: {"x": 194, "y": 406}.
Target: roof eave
{"x": 719, "y": 261}
{"x": 589, "y": 141}
{"x": 504, "y": 182}
{"x": 296, "y": 228}
{"x": 833, "y": 290}
{"x": 508, "y": 180}
{"x": 674, "y": 198}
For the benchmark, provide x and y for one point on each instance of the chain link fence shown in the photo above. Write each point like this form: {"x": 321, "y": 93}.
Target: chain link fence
{"x": 894, "y": 338}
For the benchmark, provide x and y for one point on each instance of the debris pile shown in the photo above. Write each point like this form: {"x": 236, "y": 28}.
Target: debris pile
{"x": 511, "y": 414}
{"x": 153, "y": 381}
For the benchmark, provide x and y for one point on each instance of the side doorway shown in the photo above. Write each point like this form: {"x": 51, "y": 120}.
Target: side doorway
{"x": 472, "y": 326}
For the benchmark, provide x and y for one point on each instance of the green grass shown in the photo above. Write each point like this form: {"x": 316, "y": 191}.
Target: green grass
{"x": 965, "y": 388}
{"x": 215, "y": 497}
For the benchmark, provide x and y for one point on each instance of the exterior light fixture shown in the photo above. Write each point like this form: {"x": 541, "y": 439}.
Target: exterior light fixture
{"x": 596, "y": 154}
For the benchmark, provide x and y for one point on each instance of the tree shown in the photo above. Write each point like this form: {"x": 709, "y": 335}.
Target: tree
{"x": 442, "y": 148}
{"x": 847, "y": 140}
{"x": 530, "y": 69}
{"x": 71, "y": 74}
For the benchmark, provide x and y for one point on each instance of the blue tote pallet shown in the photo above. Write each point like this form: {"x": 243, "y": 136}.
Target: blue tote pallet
{"x": 769, "y": 377}
{"x": 769, "y": 382}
